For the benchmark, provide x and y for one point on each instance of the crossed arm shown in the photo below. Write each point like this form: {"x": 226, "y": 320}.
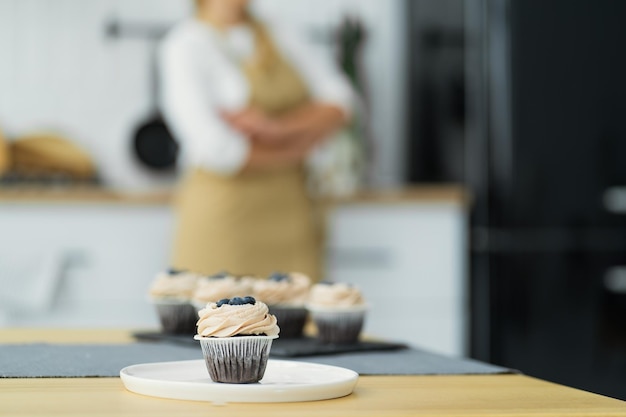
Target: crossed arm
{"x": 287, "y": 139}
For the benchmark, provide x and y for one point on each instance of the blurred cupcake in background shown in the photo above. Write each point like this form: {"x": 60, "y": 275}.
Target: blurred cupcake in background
{"x": 171, "y": 293}
{"x": 286, "y": 295}
{"x": 215, "y": 287}
{"x": 338, "y": 311}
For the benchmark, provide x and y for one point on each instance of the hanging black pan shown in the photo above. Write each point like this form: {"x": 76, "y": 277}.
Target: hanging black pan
{"x": 152, "y": 143}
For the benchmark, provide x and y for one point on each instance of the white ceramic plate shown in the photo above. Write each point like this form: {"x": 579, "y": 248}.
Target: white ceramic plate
{"x": 284, "y": 381}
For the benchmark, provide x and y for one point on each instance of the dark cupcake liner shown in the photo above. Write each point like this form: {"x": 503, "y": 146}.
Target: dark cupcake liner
{"x": 291, "y": 320}
{"x": 338, "y": 327}
{"x": 236, "y": 360}
{"x": 177, "y": 318}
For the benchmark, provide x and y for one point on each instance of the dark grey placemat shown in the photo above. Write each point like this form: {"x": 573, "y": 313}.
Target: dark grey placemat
{"x": 285, "y": 347}
{"x": 407, "y": 362}
{"x": 47, "y": 360}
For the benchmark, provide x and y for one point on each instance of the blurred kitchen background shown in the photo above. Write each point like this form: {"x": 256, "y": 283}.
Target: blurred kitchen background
{"x": 490, "y": 218}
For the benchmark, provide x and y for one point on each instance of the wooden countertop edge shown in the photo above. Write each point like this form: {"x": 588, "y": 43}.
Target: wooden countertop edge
{"x": 445, "y": 193}
{"x": 86, "y": 195}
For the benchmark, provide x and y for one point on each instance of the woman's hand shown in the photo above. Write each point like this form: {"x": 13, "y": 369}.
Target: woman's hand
{"x": 308, "y": 123}
{"x": 286, "y": 139}
{"x": 258, "y": 126}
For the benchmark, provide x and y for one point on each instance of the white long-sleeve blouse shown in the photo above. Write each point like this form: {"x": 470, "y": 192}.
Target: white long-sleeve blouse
{"x": 201, "y": 75}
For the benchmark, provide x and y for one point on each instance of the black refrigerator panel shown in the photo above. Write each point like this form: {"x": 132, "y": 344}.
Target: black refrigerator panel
{"x": 560, "y": 317}
{"x": 546, "y": 166}
{"x": 435, "y": 91}
{"x": 567, "y": 142}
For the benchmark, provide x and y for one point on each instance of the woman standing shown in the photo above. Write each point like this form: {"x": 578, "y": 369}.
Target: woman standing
{"x": 248, "y": 103}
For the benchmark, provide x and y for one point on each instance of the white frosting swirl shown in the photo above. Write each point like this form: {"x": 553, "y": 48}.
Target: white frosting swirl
{"x": 293, "y": 291}
{"x": 180, "y": 285}
{"x": 236, "y": 320}
{"x": 335, "y": 295}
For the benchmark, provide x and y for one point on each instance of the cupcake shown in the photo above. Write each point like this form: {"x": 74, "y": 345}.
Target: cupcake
{"x": 171, "y": 293}
{"x": 236, "y": 337}
{"x": 219, "y": 286}
{"x": 286, "y": 295}
{"x": 338, "y": 311}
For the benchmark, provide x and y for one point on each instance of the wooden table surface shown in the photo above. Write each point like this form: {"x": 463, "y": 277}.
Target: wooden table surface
{"x": 462, "y": 395}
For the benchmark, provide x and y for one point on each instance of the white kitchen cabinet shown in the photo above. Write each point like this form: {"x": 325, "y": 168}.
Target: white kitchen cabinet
{"x": 409, "y": 259}
{"x": 80, "y": 264}
{"x": 86, "y": 263}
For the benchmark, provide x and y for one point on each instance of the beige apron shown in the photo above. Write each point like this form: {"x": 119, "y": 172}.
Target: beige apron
{"x": 253, "y": 222}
